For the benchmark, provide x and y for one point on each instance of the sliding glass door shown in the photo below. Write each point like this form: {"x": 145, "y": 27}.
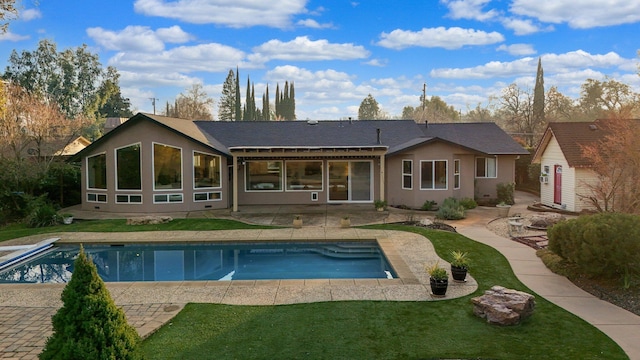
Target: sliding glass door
{"x": 350, "y": 181}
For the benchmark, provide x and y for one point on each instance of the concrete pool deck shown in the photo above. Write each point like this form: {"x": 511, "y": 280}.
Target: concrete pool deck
{"x": 24, "y": 328}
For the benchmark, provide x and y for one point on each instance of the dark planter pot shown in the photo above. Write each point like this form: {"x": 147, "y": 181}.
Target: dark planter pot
{"x": 439, "y": 287}
{"x": 458, "y": 273}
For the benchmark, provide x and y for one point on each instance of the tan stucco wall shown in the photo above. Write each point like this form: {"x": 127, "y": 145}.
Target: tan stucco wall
{"x": 470, "y": 187}
{"x": 146, "y": 133}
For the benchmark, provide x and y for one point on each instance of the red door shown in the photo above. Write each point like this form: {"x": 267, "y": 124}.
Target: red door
{"x": 557, "y": 184}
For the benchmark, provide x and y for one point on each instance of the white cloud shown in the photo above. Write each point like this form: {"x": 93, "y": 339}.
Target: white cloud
{"x": 448, "y": 38}
{"x": 236, "y": 14}
{"x": 377, "y": 62}
{"x": 9, "y": 36}
{"x": 304, "y": 49}
{"x": 522, "y": 26}
{"x": 580, "y": 14}
{"x": 551, "y": 62}
{"x": 210, "y": 57}
{"x": 517, "y": 49}
{"x": 310, "y": 23}
{"x": 469, "y": 9}
{"x": 30, "y": 14}
{"x": 137, "y": 38}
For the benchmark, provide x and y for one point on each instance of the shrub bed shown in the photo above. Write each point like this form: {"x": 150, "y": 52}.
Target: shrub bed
{"x": 601, "y": 245}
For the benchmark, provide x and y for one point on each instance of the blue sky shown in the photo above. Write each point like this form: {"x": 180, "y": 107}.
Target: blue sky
{"x": 337, "y": 52}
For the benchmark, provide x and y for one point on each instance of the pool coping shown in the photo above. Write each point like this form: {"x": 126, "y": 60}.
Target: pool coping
{"x": 411, "y": 282}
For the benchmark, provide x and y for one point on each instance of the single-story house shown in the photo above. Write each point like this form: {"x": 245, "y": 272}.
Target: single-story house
{"x": 153, "y": 164}
{"x": 565, "y": 172}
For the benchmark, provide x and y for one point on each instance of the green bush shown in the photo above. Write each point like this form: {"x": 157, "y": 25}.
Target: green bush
{"x": 468, "y": 203}
{"x": 505, "y": 193}
{"x": 429, "y": 205}
{"x": 601, "y": 245}
{"x": 89, "y": 325}
{"x": 41, "y": 213}
{"x": 450, "y": 210}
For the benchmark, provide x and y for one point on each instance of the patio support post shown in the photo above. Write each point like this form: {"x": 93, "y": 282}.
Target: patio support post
{"x": 235, "y": 183}
{"x": 382, "y": 179}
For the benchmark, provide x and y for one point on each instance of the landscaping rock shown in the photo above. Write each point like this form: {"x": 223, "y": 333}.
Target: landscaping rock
{"x": 149, "y": 220}
{"x": 503, "y": 306}
{"x": 544, "y": 221}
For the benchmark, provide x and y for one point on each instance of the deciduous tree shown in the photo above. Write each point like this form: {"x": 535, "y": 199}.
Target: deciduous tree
{"x": 616, "y": 161}
{"x": 195, "y": 104}
{"x": 8, "y": 12}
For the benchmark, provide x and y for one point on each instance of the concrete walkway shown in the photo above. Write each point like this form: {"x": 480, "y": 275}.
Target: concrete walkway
{"x": 620, "y": 325}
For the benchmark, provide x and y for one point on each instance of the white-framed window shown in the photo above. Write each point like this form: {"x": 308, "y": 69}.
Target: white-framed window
{"x": 128, "y": 167}
{"x": 128, "y": 199}
{"x": 486, "y": 167}
{"x": 407, "y": 174}
{"x": 167, "y": 198}
{"x": 433, "y": 174}
{"x": 207, "y": 196}
{"x": 96, "y": 197}
{"x": 167, "y": 167}
{"x": 263, "y": 176}
{"x": 303, "y": 175}
{"x": 206, "y": 170}
{"x": 456, "y": 174}
{"x": 97, "y": 171}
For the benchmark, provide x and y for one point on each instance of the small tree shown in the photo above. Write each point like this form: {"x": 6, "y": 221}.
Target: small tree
{"x": 89, "y": 325}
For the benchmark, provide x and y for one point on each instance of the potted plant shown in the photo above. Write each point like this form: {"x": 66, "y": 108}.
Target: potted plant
{"x": 503, "y": 209}
{"x": 459, "y": 265}
{"x": 380, "y": 205}
{"x": 345, "y": 222}
{"x": 297, "y": 221}
{"x": 438, "y": 279}
{"x": 67, "y": 218}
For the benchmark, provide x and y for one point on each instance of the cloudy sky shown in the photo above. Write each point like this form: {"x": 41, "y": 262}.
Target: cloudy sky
{"x": 337, "y": 52}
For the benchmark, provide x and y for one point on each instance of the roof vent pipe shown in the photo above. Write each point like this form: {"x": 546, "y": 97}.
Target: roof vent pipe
{"x": 379, "y": 139}
{"x": 426, "y": 124}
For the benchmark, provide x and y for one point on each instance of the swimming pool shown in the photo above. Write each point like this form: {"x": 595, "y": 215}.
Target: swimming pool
{"x": 209, "y": 262}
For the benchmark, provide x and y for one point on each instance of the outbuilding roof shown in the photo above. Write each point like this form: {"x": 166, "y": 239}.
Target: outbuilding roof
{"x": 572, "y": 137}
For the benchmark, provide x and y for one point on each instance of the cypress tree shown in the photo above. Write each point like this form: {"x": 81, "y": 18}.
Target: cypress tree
{"x": 292, "y": 102}
{"x": 538, "y": 100}
{"x": 237, "y": 104}
{"x": 89, "y": 325}
{"x": 278, "y": 110}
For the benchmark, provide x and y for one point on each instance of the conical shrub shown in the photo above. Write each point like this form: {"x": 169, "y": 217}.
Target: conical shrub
{"x": 90, "y": 325}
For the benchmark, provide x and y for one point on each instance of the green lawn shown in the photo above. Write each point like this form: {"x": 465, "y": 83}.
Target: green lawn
{"x": 120, "y": 225}
{"x": 383, "y": 330}
{"x": 365, "y": 329}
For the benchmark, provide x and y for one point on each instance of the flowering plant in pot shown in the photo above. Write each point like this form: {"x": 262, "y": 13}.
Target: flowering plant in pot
{"x": 459, "y": 265}
{"x": 438, "y": 279}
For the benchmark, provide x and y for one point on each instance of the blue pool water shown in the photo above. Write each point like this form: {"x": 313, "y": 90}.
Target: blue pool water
{"x": 179, "y": 262}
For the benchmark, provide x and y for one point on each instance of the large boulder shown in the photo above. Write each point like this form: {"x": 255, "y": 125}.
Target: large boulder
{"x": 503, "y": 306}
{"x": 149, "y": 220}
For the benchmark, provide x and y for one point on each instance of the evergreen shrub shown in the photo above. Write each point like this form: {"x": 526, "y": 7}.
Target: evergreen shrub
{"x": 89, "y": 325}
{"x": 41, "y": 213}
{"x": 505, "y": 193}
{"x": 601, "y": 245}
{"x": 450, "y": 210}
{"x": 468, "y": 203}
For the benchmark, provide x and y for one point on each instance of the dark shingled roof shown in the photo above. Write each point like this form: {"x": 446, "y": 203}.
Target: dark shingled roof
{"x": 395, "y": 135}
{"x": 310, "y": 134}
{"x": 572, "y": 137}
{"x": 484, "y": 137}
